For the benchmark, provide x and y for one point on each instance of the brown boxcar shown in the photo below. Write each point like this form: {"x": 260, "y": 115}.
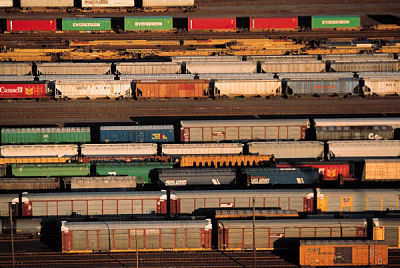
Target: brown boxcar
{"x": 342, "y": 253}
{"x": 172, "y": 89}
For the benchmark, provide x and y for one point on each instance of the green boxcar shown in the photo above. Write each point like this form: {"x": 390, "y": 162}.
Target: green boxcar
{"x": 45, "y": 135}
{"x": 86, "y": 24}
{"x": 147, "y": 23}
{"x": 320, "y": 22}
{"x": 138, "y": 169}
{"x": 50, "y": 170}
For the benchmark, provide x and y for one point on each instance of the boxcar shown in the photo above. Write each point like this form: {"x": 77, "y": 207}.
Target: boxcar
{"x": 381, "y": 170}
{"x": 24, "y": 90}
{"x": 293, "y": 66}
{"x": 48, "y": 150}
{"x": 247, "y": 88}
{"x": 50, "y": 170}
{"x": 45, "y": 135}
{"x": 93, "y": 203}
{"x": 29, "y": 184}
{"x": 218, "y": 130}
{"x": 120, "y": 236}
{"x": 31, "y": 25}
{"x": 195, "y": 176}
{"x": 119, "y": 149}
{"x": 148, "y": 23}
{"x": 86, "y": 24}
{"x": 202, "y": 148}
{"x": 148, "y": 68}
{"x": 283, "y": 233}
{"x": 357, "y": 200}
{"x": 364, "y": 148}
{"x": 46, "y": 3}
{"x": 323, "y": 22}
{"x": 387, "y": 230}
{"x": 212, "y": 24}
{"x": 92, "y": 89}
{"x": 152, "y": 133}
{"x": 289, "y": 149}
{"x": 342, "y": 252}
{"x": 108, "y": 182}
{"x": 204, "y": 67}
{"x": 71, "y": 68}
{"x": 15, "y": 68}
{"x": 267, "y": 24}
{"x": 382, "y": 86}
{"x": 355, "y": 133}
{"x": 281, "y": 175}
{"x": 340, "y": 86}
{"x": 172, "y": 89}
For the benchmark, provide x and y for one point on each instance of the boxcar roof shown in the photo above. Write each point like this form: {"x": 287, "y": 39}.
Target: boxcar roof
{"x": 245, "y": 123}
{"x": 326, "y": 122}
{"x": 243, "y": 193}
{"x": 93, "y": 195}
{"x": 150, "y": 127}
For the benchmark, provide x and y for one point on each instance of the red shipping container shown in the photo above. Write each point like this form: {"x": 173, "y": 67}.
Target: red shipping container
{"x": 23, "y": 90}
{"x": 211, "y": 24}
{"x": 31, "y": 25}
{"x": 273, "y": 23}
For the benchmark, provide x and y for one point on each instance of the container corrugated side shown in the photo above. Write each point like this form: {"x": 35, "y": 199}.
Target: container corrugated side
{"x": 221, "y": 67}
{"x": 268, "y": 176}
{"x": 148, "y": 23}
{"x": 211, "y": 24}
{"x": 289, "y": 149}
{"x": 366, "y": 66}
{"x": 100, "y": 182}
{"x": 67, "y": 68}
{"x": 148, "y": 68}
{"x": 172, "y": 89}
{"x": 351, "y": 21}
{"x": 50, "y": 170}
{"x": 24, "y": 89}
{"x": 86, "y": 24}
{"x": 108, "y": 3}
{"x": 293, "y": 67}
{"x": 6, "y": 3}
{"x": 247, "y": 87}
{"x": 39, "y": 150}
{"x": 202, "y": 148}
{"x": 47, "y": 3}
{"x": 323, "y": 87}
{"x": 364, "y": 148}
{"x": 15, "y": 68}
{"x": 273, "y": 23}
{"x": 382, "y": 86}
{"x": 376, "y": 132}
{"x": 152, "y": 133}
{"x": 32, "y": 25}
{"x": 93, "y": 89}
{"x": 119, "y": 149}
{"x": 167, "y": 3}
{"x": 381, "y": 170}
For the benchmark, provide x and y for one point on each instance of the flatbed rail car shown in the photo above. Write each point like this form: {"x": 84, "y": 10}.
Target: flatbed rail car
{"x": 225, "y": 160}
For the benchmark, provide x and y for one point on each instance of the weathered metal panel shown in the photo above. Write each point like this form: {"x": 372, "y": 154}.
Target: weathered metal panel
{"x": 202, "y": 148}
{"x": 93, "y": 89}
{"x": 54, "y": 150}
{"x": 167, "y": 3}
{"x": 195, "y": 176}
{"x": 87, "y": 68}
{"x": 322, "y": 87}
{"x": 86, "y": 24}
{"x": 47, "y": 3}
{"x": 29, "y": 184}
{"x": 32, "y": 25}
{"x": 267, "y": 176}
{"x": 354, "y": 133}
{"x": 221, "y": 67}
{"x": 108, "y": 3}
{"x": 50, "y": 170}
{"x": 119, "y": 149}
{"x": 15, "y": 68}
{"x": 382, "y": 86}
{"x": 319, "y": 22}
{"x": 152, "y": 133}
{"x": 6, "y": 3}
{"x": 211, "y": 24}
{"x": 289, "y": 149}
{"x": 148, "y": 68}
{"x": 394, "y": 122}
{"x": 293, "y": 66}
{"x": 148, "y": 23}
{"x": 364, "y": 148}
{"x": 109, "y": 182}
{"x": 172, "y": 89}
{"x": 381, "y": 170}
{"x": 205, "y": 58}
{"x": 247, "y": 87}
{"x": 366, "y": 66}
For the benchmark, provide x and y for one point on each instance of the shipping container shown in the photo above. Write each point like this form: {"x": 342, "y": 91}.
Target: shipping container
{"x": 202, "y": 148}
{"x": 219, "y": 24}
{"x": 364, "y": 148}
{"x": 86, "y": 24}
{"x": 151, "y": 133}
{"x": 31, "y": 25}
{"x": 342, "y": 252}
{"x": 339, "y": 86}
{"x": 24, "y": 89}
{"x": 382, "y": 86}
{"x": 205, "y": 67}
{"x": 287, "y": 175}
{"x": 247, "y": 88}
{"x": 293, "y": 66}
{"x": 29, "y": 184}
{"x": 267, "y": 24}
{"x": 98, "y": 183}
{"x": 48, "y": 150}
{"x": 321, "y": 22}
{"x": 6, "y": 3}
{"x": 148, "y": 4}
{"x": 366, "y": 66}
{"x": 172, "y": 89}
{"x": 381, "y": 170}
{"x": 148, "y": 68}
{"x": 194, "y": 176}
{"x": 119, "y": 149}
{"x": 79, "y": 237}
{"x": 15, "y": 68}
{"x": 93, "y": 89}
{"x": 148, "y": 23}
{"x": 50, "y": 170}
{"x": 46, "y": 3}
{"x": 108, "y": 3}
{"x": 289, "y": 149}
{"x": 45, "y": 135}
{"x": 222, "y": 160}
{"x": 387, "y": 230}
{"x": 218, "y": 130}
{"x": 87, "y": 68}
{"x": 355, "y": 133}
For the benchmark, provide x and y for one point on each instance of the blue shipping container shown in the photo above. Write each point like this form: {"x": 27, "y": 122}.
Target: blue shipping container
{"x": 323, "y": 87}
{"x": 160, "y": 133}
{"x": 265, "y": 176}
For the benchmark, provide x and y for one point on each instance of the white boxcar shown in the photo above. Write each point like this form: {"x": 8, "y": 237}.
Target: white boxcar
{"x": 247, "y": 88}
{"x": 108, "y": 3}
{"x": 202, "y": 148}
{"x": 167, "y": 3}
{"x": 73, "y": 68}
{"x": 15, "y": 68}
{"x": 289, "y": 149}
{"x": 364, "y": 148}
{"x": 100, "y": 182}
{"x": 53, "y": 150}
{"x": 93, "y": 89}
{"x": 381, "y": 170}
{"x": 149, "y": 67}
{"x": 366, "y": 66}
{"x": 221, "y": 67}
{"x": 6, "y": 3}
{"x": 47, "y": 3}
{"x": 125, "y": 149}
{"x": 382, "y": 86}
{"x": 293, "y": 66}
{"x": 394, "y": 122}
{"x": 218, "y": 130}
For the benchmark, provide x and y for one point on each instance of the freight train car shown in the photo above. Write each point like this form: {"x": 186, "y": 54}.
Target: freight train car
{"x": 202, "y": 149}
{"x": 195, "y": 176}
{"x": 204, "y": 67}
{"x": 92, "y": 89}
{"x": 172, "y": 89}
{"x": 381, "y": 170}
{"x": 148, "y": 24}
{"x": 53, "y": 150}
{"x": 148, "y": 68}
{"x": 50, "y": 170}
{"x": 271, "y": 24}
{"x": 281, "y": 175}
{"x": 289, "y": 149}
{"x": 119, "y": 149}
{"x": 382, "y": 86}
{"x": 387, "y": 230}
{"x": 15, "y": 69}
{"x": 24, "y": 90}
{"x": 152, "y": 133}
{"x": 212, "y": 24}
{"x": 31, "y": 25}
{"x": 71, "y": 68}
{"x": 363, "y": 149}
{"x": 341, "y": 86}
{"x": 336, "y": 22}
{"x": 247, "y": 88}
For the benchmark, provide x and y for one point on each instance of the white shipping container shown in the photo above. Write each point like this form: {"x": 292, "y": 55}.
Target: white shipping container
{"x": 381, "y": 170}
{"x": 49, "y": 68}
{"x": 221, "y": 67}
{"x": 167, "y": 3}
{"x": 15, "y": 68}
{"x": 108, "y": 3}
{"x": 125, "y": 149}
{"x": 101, "y": 182}
{"x": 382, "y": 86}
{"x": 6, "y": 3}
{"x": 247, "y": 87}
{"x": 293, "y": 66}
{"x": 149, "y": 67}
{"x": 202, "y": 148}
{"x": 364, "y": 148}
{"x": 93, "y": 89}
{"x": 54, "y": 150}
{"x": 289, "y": 149}
{"x": 47, "y": 3}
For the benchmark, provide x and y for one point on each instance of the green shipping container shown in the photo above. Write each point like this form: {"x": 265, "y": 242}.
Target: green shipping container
{"x": 50, "y": 170}
{"x": 147, "y": 23}
{"x": 138, "y": 169}
{"x": 319, "y": 22}
{"x": 87, "y": 24}
{"x": 45, "y": 135}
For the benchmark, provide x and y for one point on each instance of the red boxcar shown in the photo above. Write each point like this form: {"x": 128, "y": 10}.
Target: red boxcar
{"x": 31, "y": 25}
{"x": 24, "y": 89}
{"x": 172, "y": 89}
{"x": 264, "y": 24}
{"x": 225, "y": 24}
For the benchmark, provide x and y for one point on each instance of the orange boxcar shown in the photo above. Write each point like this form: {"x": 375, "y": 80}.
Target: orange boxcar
{"x": 172, "y": 89}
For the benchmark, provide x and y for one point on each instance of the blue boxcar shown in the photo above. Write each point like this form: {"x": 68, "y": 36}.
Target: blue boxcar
{"x": 160, "y": 133}
{"x": 266, "y": 176}
{"x": 341, "y": 86}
